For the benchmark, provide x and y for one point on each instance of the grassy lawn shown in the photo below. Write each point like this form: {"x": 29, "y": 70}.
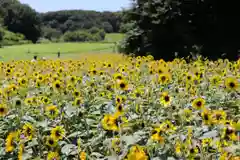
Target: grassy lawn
{"x": 50, "y": 50}
{"x": 68, "y": 50}
{"x": 113, "y": 37}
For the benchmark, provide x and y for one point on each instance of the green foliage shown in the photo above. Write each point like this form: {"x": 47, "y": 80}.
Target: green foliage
{"x": 113, "y": 37}
{"x": 125, "y": 27}
{"x": 93, "y": 34}
{"x": 51, "y": 33}
{"x": 107, "y": 27}
{"x": 167, "y": 27}
{"x": 10, "y": 38}
{"x": 1, "y": 34}
{"x": 72, "y": 20}
{"x": 43, "y": 40}
{"x": 21, "y": 18}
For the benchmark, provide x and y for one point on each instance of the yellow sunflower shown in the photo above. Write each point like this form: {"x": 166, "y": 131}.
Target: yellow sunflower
{"x": 231, "y": 83}
{"x": 57, "y": 85}
{"x": 82, "y": 155}
{"x": 52, "y": 111}
{"x": 157, "y": 135}
{"x": 51, "y": 142}
{"x": 77, "y": 101}
{"x": 122, "y": 85}
{"x": 53, "y": 156}
{"x": 20, "y": 151}
{"x": 3, "y": 110}
{"x": 22, "y": 81}
{"x": 165, "y": 99}
{"x": 58, "y": 133}
{"x": 28, "y": 131}
{"x": 109, "y": 122}
{"x": 207, "y": 117}
{"x": 198, "y": 103}
{"x": 187, "y": 114}
{"x": 164, "y": 78}
{"x": 9, "y": 144}
{"x": 219, "y": 116}
{"x": 137, "y": 153}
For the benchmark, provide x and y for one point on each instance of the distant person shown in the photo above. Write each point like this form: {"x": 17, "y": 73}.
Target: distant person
{"x": 44, "y": 58}
{"x": 58, "y": 54}
{"x": 34, "y": 59}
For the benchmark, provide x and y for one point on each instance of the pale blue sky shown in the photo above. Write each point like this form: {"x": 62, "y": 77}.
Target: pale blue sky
{"x": 98, "y": 5}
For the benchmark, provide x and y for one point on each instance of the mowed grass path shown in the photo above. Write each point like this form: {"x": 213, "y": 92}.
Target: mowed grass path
{"x": 67, "y": 50}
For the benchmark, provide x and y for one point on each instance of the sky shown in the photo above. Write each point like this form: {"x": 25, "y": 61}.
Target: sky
{"x": 97, "y": 5}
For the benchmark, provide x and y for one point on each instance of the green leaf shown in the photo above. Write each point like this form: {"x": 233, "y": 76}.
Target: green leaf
{"x": 42, "y": 124}
{"x": 33, "y": 143}
{"x": 68, "y": 149}
{"x": 70, "y": 110}
{"x": 210, "y": 134}
{"x": 97, "y": 155}
{"x": 74, "y": 134}
{"x": 129, "y": 139}
{"x": 26, "y": 156}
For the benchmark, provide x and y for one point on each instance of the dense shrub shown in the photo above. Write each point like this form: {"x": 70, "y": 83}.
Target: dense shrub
{"x": 93, "y": 34}
{"x": 43, "y": 40}
{"x": 167, "y": 27}
{"x": 51, "y": 33}
{"x": 10, "y": 38}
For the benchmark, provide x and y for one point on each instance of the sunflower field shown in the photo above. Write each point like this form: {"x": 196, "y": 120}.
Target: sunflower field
{"x": 116, "y": 107}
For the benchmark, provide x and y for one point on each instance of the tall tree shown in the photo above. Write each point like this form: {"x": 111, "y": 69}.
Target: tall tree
{"x": 23, "y": 19}
{"x": 164, "y": 27}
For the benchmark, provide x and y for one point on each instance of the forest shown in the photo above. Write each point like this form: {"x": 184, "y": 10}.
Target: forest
{"x": 31, "y": 25}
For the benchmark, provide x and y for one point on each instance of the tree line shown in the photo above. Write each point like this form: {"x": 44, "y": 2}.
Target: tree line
{"x": 177, "y": 28}
{"x": 22, "y": 19}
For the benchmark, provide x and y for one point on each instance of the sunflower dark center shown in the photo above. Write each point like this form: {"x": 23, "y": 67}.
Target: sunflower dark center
{"x": 51, "y": 142}
{"x": 191, "y": 150}
{"x": 206, "y": 117}
{"x": 199, "y": 103}
{"x": 138, "y": 94}
{"x": 218, "y": 116}
{"x": 122, "y": 85}
{"x": 78, "y": 102}
{"x": 52, "y": 112}
{"x": 229, "y": 131}
{"x": 120, "y": 108}
{"x": 163, "y": 78}
{"x": 108, "y": 87}
{"x": 58, "y": 133}
{"x": 28, "y": 131}
{"x": 167, "y": 98}
{"x": 119, "y": 77}
{"x": 2, "y": 110}
{"x": 76, "y": 93}
{"x": 57, "y": 85}
{"x": 18, "y": 102}
{"x": 154, "y": 132}
{"x": 232, "y": 85}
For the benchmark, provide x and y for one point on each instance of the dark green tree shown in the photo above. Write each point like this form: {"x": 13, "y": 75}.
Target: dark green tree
{"x": 166, "y": 27}
{"x": 20, "y": 18}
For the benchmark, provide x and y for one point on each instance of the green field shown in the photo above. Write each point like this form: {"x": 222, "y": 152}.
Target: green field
{"x": 114, "y": 37}
{"x": 68, "y": 50}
